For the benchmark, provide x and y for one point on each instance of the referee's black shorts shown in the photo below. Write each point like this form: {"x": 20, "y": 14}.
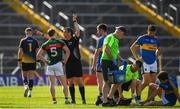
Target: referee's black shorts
{"x": 28, "y": 66}
{"x": 73, "y": 69}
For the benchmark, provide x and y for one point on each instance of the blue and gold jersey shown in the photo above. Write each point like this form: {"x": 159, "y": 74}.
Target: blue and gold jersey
{"x": 148, "y": 47}
{"x": 29, "y": 46}
{"x": 100, "y": 47}
{"x": 167, "y": 86}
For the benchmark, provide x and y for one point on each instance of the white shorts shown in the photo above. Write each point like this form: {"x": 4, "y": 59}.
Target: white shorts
{"x": 147, "y": 68}
{"x": 56, "y": 69}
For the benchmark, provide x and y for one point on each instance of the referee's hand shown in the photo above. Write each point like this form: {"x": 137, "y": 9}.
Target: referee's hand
{"x": 74, "y": 17}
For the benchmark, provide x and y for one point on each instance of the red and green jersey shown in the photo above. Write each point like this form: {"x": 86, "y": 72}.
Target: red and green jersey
{"x": 54, "y": 49}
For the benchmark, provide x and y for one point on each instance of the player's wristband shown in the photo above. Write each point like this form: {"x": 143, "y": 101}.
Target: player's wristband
{"x": 75, "y": 21}
{"x": 38, "y": 61}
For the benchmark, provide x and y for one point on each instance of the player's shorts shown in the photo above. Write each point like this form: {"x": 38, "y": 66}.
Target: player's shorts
{"x": 55, "y": 69}
{"x": 108, "y": 65}
{"x": 98, "y": 68}
{"x": 125, "y": 86}
{"x": 169, "y": 99}
{"x": 150, "y": 68}
{"x": 74, "y": 69}
{"x": 28, "y": 66}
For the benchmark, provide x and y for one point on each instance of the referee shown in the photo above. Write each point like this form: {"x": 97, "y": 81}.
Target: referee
{"x": 73, "y": 65}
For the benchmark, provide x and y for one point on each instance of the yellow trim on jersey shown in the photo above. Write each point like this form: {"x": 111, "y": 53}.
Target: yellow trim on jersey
{"x": 149, "y": 47}
{"x": 27, "y": 59}
{"x": 100, "y": 49}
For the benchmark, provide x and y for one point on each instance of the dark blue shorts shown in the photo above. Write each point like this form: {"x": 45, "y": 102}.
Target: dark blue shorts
{"x": 98, "y": 68}
{"x": 107, "y": 66}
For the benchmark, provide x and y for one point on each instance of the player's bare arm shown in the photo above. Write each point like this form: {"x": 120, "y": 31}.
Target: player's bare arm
{"x": 20, "y": 53}
{"x": 158, "y": 52}
{"x": 42, "y": 34}
{"x": 76, "y": 25}
{"x": 134, "y": 49}
{"x": 67, "y": 54}
{"x": 95, "y": 59}
{"x": 41, "y": 57}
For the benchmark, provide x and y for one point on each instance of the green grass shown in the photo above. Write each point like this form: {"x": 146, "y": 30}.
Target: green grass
{"x": 12, "y": 97}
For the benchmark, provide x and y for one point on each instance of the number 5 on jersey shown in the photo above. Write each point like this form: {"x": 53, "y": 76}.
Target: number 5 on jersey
{"x": 53, "y": 51}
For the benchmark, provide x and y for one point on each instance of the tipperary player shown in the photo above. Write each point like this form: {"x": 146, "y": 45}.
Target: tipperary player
{"x": 167, "y": 91}
{"x": 149, "y": 46}
{"x": 96, "y": 66}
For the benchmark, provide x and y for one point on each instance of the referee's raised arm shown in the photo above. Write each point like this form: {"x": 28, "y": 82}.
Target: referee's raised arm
{"x": 76, "y": 25}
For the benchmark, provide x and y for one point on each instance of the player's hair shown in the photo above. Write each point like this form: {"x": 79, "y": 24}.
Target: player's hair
{"x": 163, "y": 75}
{"x": 152, "y": 28}
{"x": 69, "y": 30}
{"x": 51, "y": 32}
{"x": 102, "y": 26}
{"x": 138, "y": 63}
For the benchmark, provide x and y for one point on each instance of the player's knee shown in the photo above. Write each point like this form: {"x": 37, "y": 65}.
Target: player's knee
{"x": 64, "y": 86}
{"x": 71, "y": 82}
{"x": 52, "y": 85}
{"x": 99, "y": 81}
{"x": 80, "y": 82}
{"x": 71, "y": 85}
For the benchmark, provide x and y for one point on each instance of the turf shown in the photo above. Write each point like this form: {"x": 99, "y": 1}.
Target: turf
{"x": 12, "y": 97}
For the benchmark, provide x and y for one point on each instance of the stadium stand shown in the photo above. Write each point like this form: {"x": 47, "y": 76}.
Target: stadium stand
{"x": 166, "y": 21}
{"x": 90, "y": 13}
{"x": 168, "y": 9}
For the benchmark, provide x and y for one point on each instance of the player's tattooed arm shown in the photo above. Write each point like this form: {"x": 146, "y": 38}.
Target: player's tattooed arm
{"x": 41, "y": 57}
{"x": 42, "y": 34}
{"x": 67, "y": 54}
{"x": 134, "y": 48}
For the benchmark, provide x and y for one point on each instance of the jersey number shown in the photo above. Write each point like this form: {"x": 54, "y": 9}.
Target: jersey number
{"x": 53, "y": 51}
{"x": 30, "y": 47}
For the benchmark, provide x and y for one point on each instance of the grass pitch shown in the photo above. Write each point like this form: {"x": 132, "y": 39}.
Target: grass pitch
{"x": 12, "y": 97}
